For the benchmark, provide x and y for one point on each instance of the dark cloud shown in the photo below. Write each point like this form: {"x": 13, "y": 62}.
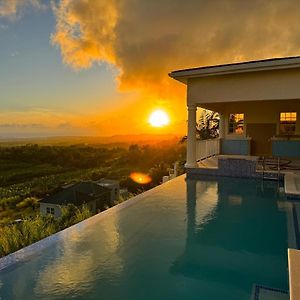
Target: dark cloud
{"x": 147, "y": 39}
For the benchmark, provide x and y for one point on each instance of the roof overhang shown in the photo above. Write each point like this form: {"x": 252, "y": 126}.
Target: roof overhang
{"x": 243, "y": 67}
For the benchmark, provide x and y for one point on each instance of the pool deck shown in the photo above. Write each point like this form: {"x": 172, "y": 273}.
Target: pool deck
{"x": 294, "y": 273}
{"x": 233, "y": 165}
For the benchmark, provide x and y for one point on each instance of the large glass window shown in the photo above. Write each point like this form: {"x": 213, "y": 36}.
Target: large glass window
{"x": 288, "y": 123}
{"x": 236, "y": 123}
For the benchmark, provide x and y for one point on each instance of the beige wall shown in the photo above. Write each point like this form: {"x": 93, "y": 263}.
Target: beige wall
{"x": 257, "y": 112}
{"x": 252, "y": 86}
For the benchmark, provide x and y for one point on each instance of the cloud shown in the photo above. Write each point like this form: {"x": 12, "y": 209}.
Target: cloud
{"x": 78, "y": 23}
{"x": 11, "y": 8}
{"x": 65, "y": 125}
{"x": 147, "y": 39}
{"x": 21, "y": 125}
{"x": 42, "y": 122}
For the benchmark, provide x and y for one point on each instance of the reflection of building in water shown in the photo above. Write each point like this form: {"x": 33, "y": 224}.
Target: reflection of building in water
{"x": 228, "y": 236}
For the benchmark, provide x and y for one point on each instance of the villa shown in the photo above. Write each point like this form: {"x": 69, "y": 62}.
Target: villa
{"x": 220, "y": 232}
{"x": 258, "y": 103}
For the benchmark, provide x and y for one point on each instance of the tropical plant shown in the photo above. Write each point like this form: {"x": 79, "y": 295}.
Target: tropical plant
{"x": 207, "y": 127}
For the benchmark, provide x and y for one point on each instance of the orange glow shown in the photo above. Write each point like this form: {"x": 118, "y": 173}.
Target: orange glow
{"x": 140, "y": 178}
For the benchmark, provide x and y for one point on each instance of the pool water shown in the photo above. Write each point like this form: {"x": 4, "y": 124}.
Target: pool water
{"x": 186, "y": 239}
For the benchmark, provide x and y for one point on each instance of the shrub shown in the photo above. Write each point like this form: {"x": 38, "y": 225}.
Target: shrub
{"x": 31, "y": 202}
{"x": 31, "y": 230}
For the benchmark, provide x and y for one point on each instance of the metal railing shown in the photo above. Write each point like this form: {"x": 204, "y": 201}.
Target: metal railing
{"x": 274, "y": 162}
{"x": 207, "y": 148}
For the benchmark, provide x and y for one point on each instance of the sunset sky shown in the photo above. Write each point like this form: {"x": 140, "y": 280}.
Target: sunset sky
{"x": 100, "y": 67}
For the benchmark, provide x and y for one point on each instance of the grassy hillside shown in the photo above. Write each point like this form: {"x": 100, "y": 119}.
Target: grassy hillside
{"x": 30, "y": 172}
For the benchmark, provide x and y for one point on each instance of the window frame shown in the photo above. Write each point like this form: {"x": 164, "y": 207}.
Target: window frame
{"x": 50, "y": 210}
{"x": 287, "y": 120}
{"x": 234, "y": 132}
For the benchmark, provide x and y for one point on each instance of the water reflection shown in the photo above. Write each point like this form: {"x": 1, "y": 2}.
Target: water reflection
{"x": 200, "y": 212}
{"x": 79, "y": 261}
{"x": 208, "y": 237}
{"x": 234, "y": 227}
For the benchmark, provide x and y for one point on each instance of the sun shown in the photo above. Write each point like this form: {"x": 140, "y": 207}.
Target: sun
{"x": 158, "y": 118}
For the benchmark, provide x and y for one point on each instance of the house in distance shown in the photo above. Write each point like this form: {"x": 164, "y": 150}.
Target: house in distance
{"x": 95, "y": 194}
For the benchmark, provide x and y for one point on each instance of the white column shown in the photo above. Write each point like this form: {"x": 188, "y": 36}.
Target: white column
{"x": 191, "y": 161}
{"x": 222, "y": 126}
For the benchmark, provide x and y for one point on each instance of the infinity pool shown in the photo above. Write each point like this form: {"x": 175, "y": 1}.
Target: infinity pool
{"x": 196, "y": 239}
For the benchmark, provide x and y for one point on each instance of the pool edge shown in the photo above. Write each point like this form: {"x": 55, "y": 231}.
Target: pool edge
{"x": 24, "y": 254}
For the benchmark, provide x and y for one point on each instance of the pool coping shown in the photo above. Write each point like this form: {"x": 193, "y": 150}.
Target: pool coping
{"x": 290, "y": 185}
{"x": 294, "y": 273}
{"x": 26, "y": 253}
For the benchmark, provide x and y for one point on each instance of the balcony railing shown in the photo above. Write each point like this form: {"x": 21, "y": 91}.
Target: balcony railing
{"x": 207, "y": 148}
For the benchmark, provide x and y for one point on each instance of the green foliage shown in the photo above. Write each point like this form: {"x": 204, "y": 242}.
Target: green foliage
{"x": 124, "y": 198}
{"x": 31, "y": 230}
{"x": 68, "y": 157}
{"x": 71, "y": 214}
{"x": 31, "y": 202}
{"x": 31, "y": 172}
{"x": 17, "y": 236}
{"x": 208, "y": 126}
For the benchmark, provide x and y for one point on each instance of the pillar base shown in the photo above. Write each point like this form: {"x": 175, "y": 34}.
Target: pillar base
{"x": 191, "y": 166}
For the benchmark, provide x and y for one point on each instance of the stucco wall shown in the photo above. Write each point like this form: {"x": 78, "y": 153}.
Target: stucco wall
{"x": 43, "y": 209}
{"x": 263, "y": 85}
{"x": 258, "y": 112}
{"x": 265, "y": 112}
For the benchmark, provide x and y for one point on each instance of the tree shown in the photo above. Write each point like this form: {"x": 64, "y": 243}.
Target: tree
{"x": 207, "y": 127}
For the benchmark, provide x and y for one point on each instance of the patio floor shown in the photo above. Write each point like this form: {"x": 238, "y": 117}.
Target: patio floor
{"x": 288, "y": 166}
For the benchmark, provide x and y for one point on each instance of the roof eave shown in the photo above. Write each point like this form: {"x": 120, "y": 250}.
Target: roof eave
{"x": 184, "y": 75}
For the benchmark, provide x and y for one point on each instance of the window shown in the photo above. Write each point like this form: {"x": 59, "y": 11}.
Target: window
{"x": 50, "y": 210}
{"x": 236, "y": 123}
{"x": 288, "y": 123}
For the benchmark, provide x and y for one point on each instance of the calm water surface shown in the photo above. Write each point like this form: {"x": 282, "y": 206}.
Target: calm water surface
{"x": 194, "y": 239}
